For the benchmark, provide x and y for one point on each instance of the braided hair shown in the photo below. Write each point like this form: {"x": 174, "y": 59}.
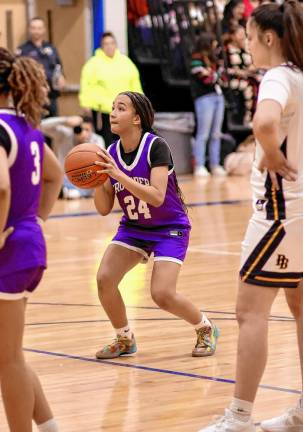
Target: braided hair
{"x": 25, "y": 80}
{"x": 143, "y": 107}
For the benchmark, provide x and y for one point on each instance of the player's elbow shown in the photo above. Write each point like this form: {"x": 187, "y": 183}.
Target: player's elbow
{"x": 265, "y": 125}
{"x": 5, "y": 190}
{"x": 158, "y": 201}
{"x": 103, "y": 211}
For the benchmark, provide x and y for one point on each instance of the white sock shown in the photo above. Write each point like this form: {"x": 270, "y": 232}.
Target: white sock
{"x": 48, "y": 426}
{"x": 124, "y": 331}
{"x": 203, "y": 323}
{"x": 241, "y": 409}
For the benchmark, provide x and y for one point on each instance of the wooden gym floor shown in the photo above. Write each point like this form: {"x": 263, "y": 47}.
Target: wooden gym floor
{"x": 162, "y": 388}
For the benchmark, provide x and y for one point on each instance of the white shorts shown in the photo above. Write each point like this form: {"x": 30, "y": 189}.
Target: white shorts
{"x": 272, "y": 253}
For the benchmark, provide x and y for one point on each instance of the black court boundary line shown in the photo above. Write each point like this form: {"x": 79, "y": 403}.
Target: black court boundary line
{"x": 118, "y": 211}
{"x": 134, "y": 319}
{"x": 278, "y": 317}
{"x": 152, "y": 369}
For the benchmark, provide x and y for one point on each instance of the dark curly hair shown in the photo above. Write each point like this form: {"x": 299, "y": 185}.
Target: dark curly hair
{"x": 25, "y": 80}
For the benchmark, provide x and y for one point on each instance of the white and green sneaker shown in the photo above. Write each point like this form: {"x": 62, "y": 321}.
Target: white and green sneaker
{"x": 206, "y": 341}
{"x": 121, "y": 346}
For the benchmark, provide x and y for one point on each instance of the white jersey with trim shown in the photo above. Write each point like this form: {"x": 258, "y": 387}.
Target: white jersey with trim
{"x": 283, "y": 84}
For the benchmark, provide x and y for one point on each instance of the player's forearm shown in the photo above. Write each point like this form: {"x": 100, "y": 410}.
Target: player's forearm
{"x": 146, "y": 193}
{"x": 267, "y": 134}
{"x": 5, "y": 197}
{"x": 104, "y": 200}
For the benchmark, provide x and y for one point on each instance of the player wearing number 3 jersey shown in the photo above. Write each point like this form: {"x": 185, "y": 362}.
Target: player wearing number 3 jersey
{"x": 27, "y": 167}
{"x": 155, "y": 221}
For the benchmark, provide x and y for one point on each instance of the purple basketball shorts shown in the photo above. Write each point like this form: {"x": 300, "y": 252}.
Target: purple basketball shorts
{"x": 171, "y": 245}
{"x": 21, "y": 284}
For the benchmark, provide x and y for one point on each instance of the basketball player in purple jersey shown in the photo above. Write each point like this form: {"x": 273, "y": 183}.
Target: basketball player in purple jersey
{"x": 26, "y": 166}
{"x": 142, "y": 177}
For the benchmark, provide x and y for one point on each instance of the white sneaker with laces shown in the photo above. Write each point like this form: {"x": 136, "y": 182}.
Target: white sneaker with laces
{"x": 201, "y": 171}
{"x": 290, "y": 421}
{"x": 228, "y": 423}
{"x": 218, "y": 171}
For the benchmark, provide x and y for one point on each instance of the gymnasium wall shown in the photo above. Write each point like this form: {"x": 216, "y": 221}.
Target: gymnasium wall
{"x": 70, "y": 31}
{"x": 115, "y": 20}
{"x": 13, "y": 16}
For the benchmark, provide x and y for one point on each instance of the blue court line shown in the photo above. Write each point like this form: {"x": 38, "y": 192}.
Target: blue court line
{"x": 198, "y": 204}
{"x": 151, "y": 369}
{"x": 279, "y": 317}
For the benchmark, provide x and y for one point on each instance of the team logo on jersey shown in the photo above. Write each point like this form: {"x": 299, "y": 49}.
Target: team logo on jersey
{"x": 260, "y": 204}
{"x": 175, "y": 233}
{"x": 282, "y": 261}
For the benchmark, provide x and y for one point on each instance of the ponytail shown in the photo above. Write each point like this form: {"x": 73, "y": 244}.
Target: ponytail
{"x": 25, "y": 79}
{"x": 292, "y": 41}
{"x": 286, "y": 20}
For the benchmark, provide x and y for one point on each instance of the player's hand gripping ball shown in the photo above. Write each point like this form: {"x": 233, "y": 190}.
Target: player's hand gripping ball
{"x": 80, "y": 166}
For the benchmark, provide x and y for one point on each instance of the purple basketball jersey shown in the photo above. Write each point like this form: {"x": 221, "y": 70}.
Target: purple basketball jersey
{"x": 137, "y": 213}
{"x": 25, "y": 247}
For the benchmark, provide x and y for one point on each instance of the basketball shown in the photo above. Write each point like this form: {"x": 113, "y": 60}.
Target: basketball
{"x": 80, "y": 166}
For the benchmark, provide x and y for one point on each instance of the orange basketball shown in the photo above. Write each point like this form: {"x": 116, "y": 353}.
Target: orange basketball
{"x": 80, "y": 166}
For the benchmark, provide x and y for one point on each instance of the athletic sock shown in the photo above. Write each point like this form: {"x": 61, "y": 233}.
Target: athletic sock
{"x": 124, "y": 332}
{"x": 241, "y": 409}
{"x": 48, "y": 426}
{"x": 203, "y": 323}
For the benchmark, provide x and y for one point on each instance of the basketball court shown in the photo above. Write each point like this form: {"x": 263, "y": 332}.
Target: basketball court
{"x": 162, "y": 388}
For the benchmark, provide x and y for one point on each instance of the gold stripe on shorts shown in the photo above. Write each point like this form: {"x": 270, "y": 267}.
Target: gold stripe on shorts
{"x": 263, "y": 251}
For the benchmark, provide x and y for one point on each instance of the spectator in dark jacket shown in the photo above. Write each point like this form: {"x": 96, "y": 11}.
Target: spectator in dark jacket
{"x": 46, "y": 54}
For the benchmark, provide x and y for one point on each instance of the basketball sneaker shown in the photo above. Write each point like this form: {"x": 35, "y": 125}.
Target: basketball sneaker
{"x": 206, "y": 341}
{"x": 121, "y": 346}
{"x": 290, "y": 421}
{"x": 201, "y": 171}
{"x": 228, "y": 423}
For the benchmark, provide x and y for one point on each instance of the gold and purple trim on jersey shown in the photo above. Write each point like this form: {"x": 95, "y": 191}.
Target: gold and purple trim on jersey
{"x": 275, "y": 206}
{"x": 251, "y": 272}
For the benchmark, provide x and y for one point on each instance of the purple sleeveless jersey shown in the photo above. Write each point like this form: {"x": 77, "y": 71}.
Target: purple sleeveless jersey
{"x": 137, "y": 213}
{"x": 25, "y": 247}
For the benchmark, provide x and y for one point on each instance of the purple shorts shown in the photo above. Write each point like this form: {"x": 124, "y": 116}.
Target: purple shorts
{"x": 171, "y": 247}
{"x": 21, "y": 284}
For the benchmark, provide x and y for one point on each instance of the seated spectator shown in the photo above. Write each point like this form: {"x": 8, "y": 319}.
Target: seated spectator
{"x": 239, "y": 163}
{"x": 66, "y": 132}
{"x": 233, "y": 15}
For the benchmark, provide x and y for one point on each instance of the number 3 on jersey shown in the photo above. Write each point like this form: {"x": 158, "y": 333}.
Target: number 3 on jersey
{"x": 36, "y": 173}
{"x": 131, "y": 208}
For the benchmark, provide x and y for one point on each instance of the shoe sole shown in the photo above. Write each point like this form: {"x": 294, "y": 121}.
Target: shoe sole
{"x": 281, "y": 429}
{"x": 116, "y": 356}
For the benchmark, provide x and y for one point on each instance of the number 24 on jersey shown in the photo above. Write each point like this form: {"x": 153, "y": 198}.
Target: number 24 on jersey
{"x": 133, "y": 212}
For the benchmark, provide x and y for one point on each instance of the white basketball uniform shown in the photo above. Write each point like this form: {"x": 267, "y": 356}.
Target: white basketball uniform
{"x": 272, "y": 250}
